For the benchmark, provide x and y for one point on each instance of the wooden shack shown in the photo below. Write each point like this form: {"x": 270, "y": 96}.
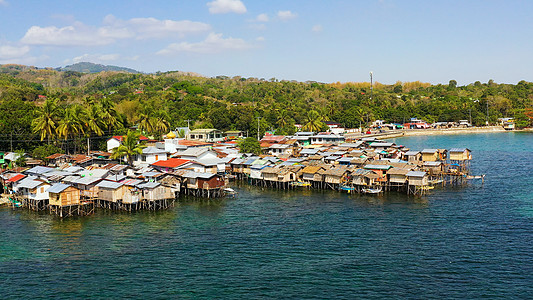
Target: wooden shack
{"x": 397, "y": 176}
{"x": 460, "y": 154}
{"x": 412, "y": 156}
{"x": 61, "y": 194}
{"x": 364, "y": 178}
{"x": 280, "y": 176}
{"x": 418, "y": 182}
{"x": 417, "y": 178}
{"x": 336, "y": 176}
{"x": 430, "y": 154}
{"x": 152, "y": 191}
{"x": 200, "y": 184}
{"x": 110, "y": 193}
{"x": 434, "y": 168}
{"x": 309, "y": 173}
{"x": 65, "y": 201}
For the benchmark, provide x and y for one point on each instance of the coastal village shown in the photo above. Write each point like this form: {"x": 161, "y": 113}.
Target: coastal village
{"x": 205, "y": 162}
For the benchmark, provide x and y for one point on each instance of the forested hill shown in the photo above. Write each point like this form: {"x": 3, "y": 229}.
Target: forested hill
{"x": 87, "y": 67}
{"x": 157, "y": 102}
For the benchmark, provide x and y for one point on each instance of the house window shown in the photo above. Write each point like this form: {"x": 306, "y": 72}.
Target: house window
{"x": 143, "y": 158}
{"x": 193, "y": 136}
{"x": 42, "y": 189}
{"x": 156, "y": 157}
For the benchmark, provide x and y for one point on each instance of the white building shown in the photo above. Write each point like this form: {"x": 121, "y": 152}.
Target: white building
{"x": 150, "y": 155}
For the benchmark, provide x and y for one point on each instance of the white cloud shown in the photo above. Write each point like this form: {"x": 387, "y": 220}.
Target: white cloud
{"x": 226, "y": 6}
{"x": 3, "y": 3}
{"x": 262, "y": 18}
{"x": 95, "y": 58}
{"x": 143, "y": 28}
{"x": 260, "y": 39}
{"x": 114, "y": 29}
{"x": 317, "y": 28}
{"x": 285, "y": 15}
{"x": 12, "y": 52}
{"x": 76, "y": 35}
{"x": 214, "y": 43}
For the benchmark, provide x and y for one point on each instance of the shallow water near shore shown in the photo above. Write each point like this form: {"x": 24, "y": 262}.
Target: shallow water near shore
{"x": 461, "y": 242}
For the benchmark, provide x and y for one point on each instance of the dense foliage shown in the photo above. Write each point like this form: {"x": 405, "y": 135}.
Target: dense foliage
{"x": 66, "y": 108}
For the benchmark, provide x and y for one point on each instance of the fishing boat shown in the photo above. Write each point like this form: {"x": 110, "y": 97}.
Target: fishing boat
{"x": 346, "y": 188}
{"x": 229, "y": 192}
{"x": 371, "y": 190}
{"x": 299, "y": 183}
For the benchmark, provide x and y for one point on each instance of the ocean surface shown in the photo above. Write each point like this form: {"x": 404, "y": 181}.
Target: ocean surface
{"x": 465, "y": 242}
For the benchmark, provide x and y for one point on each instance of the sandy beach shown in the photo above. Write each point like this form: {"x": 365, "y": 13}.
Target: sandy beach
{"x": 427, "y": 132}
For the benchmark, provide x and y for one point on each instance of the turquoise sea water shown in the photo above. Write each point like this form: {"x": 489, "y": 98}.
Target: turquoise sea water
{"x": 466, "y": 242}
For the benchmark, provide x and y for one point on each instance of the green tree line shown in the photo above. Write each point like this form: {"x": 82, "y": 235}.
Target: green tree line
{"x": 65, "y": 108}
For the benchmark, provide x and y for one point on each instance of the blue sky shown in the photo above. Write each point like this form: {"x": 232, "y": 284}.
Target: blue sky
{"x": 326, "y": 41}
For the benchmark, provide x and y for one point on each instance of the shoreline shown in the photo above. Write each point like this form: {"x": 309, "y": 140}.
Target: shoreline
{"x": 443, "y": 131}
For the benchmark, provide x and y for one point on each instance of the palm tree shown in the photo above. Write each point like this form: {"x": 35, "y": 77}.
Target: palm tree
{"x": 46, "y": 121}
{"x": 130, "y": 146}
{"x": 109, "y": 115}
{"x": 313, "y": 121}
{"x": 146, "y": 123}
{"x": 71, "y": 123}
{"x": 283, "y": 119}
{"x": 93, "y": 121}
{"x": 160, "y": 122}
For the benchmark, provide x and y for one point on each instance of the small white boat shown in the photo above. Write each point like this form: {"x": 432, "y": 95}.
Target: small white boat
{"x": 230, "y": 192}
{"x": 371, "y": 190}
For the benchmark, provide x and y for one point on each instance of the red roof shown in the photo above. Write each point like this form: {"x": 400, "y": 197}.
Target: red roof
{"x": 54, "y": 156}
{"x": 16, "y": 178}
{"x": 171, "y": 163}
{"x": 273, "y": 138}
{"x": 192, "y": 143}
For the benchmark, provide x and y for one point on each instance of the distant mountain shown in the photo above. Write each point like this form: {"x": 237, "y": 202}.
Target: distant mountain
{"x": 87, "y": 67}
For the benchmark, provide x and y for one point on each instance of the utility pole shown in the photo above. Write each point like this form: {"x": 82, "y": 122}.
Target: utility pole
{"x": 258, "y": 127}
{"x": 470, "y": 114}
{"x": 371, "y": 85}
{"x": 188, "y": 127}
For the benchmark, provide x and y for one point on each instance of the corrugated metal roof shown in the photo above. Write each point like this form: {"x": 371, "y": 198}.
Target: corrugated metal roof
{"x": 377, "y": 167}
{"x": 381, "y": 144}
{"x": 308, "y": 151}
{"x": 151, "y": 174}
{"x": 192, "y": 174}
{"x": 88, "y": 180}
{"x": 429, "y": 151}
{"x": 109, "y": 184}
{"x": 458, "y": 150}
{"x": 411, "y": 153}
{"x": 29, "y": 183}
{"x": 416, "y": 174}
{"x": 116, "y": 177}
{"x": 58, "y": 188}
{"x": 132, "y": 182}
{"x": 39, "y": 170}
{"x": 344, "y": 159}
